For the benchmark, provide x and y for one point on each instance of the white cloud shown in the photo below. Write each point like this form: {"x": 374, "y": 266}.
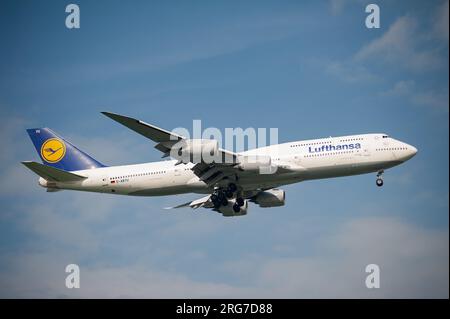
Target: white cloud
{"x": 441, "y": 24}
{"x": 349, "y": 72}
{"x": 401, "y": 45}
{"x": 42, "y": 275}
{"x": 438, "y": 101}
{"x": 16, "y": 144}
{"x": 401, "y": 88}
{"x": 17, "y": 179}
{"x": 54, "y": 224}
{"x": 433, "y": 99}
{"x": 337, "y": 6}
{"x": 12, "y": 130}
{"x": 222, "y": 37}
{"x": 413, "y": 262}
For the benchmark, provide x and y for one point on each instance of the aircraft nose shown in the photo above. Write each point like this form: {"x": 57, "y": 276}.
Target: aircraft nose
{"x": 412, "y": 151}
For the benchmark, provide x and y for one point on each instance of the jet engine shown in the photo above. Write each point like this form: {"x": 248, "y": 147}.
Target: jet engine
{"x": 270, "y": 198}
{"x": 254, "y": 163}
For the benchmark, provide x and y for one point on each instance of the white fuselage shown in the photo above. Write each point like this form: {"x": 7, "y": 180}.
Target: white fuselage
{"x": 303, "y": 160}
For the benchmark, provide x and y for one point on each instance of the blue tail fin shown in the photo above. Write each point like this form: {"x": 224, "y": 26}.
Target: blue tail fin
{"x": 59, "y": 153}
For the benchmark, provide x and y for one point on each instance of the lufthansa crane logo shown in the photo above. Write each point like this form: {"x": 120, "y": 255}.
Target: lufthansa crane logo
{"x": 53, "y": 150}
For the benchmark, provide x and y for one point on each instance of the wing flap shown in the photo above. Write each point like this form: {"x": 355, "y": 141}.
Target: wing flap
{"x": 201, "y": 202}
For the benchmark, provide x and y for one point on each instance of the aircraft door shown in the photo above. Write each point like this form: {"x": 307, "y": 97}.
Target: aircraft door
{"x": 176, "y": 175}
{"x": 104, "y": 180}
{"x": 105, "y": 184}
{"x": 365, "y": 151}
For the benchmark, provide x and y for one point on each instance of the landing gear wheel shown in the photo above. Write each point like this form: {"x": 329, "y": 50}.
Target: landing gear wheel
{"x": 379, "y": 182}
{"x": 379, "y": 178}
{"x": 236, "y": 208}
{"x": 240, "y": 201}
{"x": 220, "y": 196}
{"x": 224, "y": 201}
{"x": 215, "y": 200}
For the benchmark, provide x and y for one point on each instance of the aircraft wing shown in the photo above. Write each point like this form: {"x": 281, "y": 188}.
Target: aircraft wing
{"x": 201, "y": 202}
{"x": 164, "y": 139}
{"x": 209, "y": 173}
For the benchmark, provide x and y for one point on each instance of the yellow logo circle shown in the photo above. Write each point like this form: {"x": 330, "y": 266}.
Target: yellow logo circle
{"x": 53, "y": 150}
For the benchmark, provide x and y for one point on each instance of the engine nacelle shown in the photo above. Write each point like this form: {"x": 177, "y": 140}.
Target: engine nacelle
{"x": 253, "y": 163}
{"x": 196, "y": 151}
{"x": 271, "y": 198}
{"x": 228, "y": 210}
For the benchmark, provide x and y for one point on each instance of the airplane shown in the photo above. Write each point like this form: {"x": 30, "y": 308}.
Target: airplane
{"x": 231, "y": 181}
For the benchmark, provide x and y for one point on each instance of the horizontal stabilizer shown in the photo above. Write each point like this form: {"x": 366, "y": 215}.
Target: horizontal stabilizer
{"x": 53, "y": 174}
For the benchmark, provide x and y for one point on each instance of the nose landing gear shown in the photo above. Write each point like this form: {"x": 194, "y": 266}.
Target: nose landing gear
{"x": 379, "y": 180}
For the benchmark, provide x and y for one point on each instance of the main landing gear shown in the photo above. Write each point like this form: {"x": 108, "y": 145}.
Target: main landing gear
{"x": 220, "y": 197}
{"x": 379, "y": 180}
{"x": 238, "y": 204}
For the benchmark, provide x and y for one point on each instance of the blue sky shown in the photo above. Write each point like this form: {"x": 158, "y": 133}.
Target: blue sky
{"x": 311, "y": 69}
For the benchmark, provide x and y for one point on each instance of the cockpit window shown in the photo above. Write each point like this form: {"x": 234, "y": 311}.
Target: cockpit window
{"x": 385, "y": 136}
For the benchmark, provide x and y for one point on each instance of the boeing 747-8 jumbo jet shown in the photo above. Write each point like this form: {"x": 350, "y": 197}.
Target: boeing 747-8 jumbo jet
{"x": 231, "y": 180}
